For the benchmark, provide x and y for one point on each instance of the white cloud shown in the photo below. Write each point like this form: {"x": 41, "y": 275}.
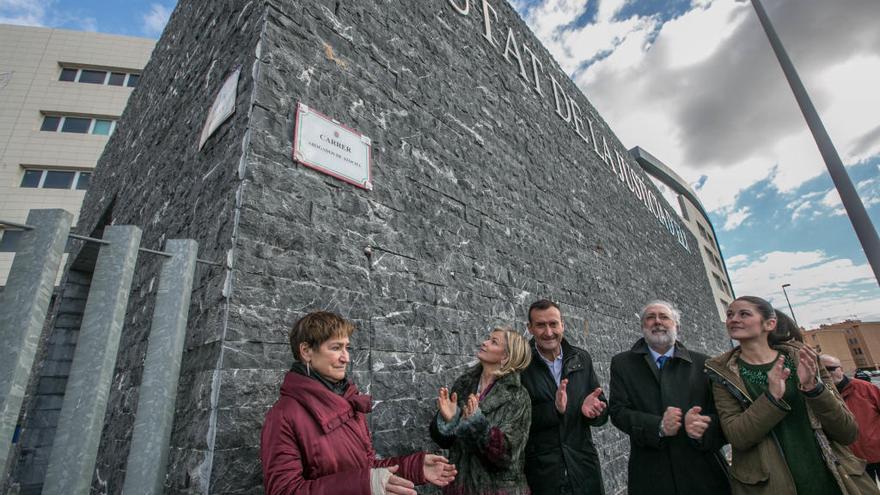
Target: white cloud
{"x": 800, "y": 210}
{"x": 821, "y": 286}
{"x": 573, "y": 46}
{"x": 608, "y": 9}
{"x": 156, "y": 19}
{"x": 832, "y": 199}
{"x": 735, "y": 218}
{"x": 24, "y": 12}
{"x": 44, "y": 13}
{"x": 707, "y": 96}
{"x": 736, "y": 260}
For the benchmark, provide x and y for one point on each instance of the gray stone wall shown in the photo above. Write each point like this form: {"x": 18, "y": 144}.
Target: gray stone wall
{"x": 40, "y": 412}
{"x": 153, "y": 175}
{"x": 486, "y": 198}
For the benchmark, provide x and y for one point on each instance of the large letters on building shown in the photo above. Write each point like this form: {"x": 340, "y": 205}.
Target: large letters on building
{"x": 570, "y": 112}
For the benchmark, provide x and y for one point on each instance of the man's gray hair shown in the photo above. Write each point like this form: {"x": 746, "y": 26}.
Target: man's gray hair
{"x": 676, "y": 314}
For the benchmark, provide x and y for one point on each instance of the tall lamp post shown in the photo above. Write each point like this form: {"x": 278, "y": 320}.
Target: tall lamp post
{"x": 855, "y": 209}
{"x": 790, "y": 310}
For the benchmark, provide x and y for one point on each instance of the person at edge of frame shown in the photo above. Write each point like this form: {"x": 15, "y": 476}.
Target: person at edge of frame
{"x": 863, "y": 400}
{"x": 787, "y": 425}
{"x": 315, "y": 439}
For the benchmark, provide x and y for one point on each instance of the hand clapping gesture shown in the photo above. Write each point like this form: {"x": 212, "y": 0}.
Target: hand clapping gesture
{"x": 438, "y": 471}
{"x": 593, "y": 406}
{"x": 671, "y": 422}
{"x": 473, "y": 403}
{"x": 695, "y": 424}
{"x": 562, "y": 396}
{"x": 776, "y": 378}
{"x": 807, "y": 368}
{"x": 447, "y": 405}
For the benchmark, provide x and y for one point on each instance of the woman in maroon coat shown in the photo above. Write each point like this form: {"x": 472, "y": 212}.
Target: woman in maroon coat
{"x": 315, "y": 438}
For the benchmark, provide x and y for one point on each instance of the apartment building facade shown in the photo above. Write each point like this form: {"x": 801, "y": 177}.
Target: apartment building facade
{"x": 856, "y": 343}
{"x": 61, "y": 95}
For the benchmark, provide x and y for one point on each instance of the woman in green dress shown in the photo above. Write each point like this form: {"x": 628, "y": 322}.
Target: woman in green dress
{"x": 784, "y": 419}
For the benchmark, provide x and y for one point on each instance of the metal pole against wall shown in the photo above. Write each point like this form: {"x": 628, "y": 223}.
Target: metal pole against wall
{"x": 75, "y": 450}
{"x": 148, "y": 456}
{"x": 861, "y": 222}
{"x": 23, "y": 306}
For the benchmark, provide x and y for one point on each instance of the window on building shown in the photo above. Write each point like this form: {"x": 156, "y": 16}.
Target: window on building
{"x": 92, "y": 76}
{"x": 724, "y": 303}
{"x": 9, "y": 240}
{"x": 117, "y": 79}
{"x": 32, "y": 178}
{"x": 68, "y": 75}
{"x": 82, "y": 182}
{"x": 102, "y": 127}
{"x": 78, "y": 125}
{"x": 99, "y": 76}
{"x": 50, "y": 123}
{"x": 702, "y": 231}
{"x": 711, "y": 257}
{"x": 725, "y": 287}
{"x": 56, "y": 179}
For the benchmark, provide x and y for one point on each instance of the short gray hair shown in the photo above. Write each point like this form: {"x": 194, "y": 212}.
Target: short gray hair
{"x": 676, "y": 314}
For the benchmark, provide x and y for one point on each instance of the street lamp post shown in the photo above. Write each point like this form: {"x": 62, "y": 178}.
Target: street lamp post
{"x": 855, "y": 209}
{"x": 790, "y": 309}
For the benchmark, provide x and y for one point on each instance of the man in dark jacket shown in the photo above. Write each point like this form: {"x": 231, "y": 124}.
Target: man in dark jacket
{"x": 661, "y": 398}
{"x": 566, "y": 402}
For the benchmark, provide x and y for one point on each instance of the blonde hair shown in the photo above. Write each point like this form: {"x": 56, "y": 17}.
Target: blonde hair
{"x": 519, "y": 355}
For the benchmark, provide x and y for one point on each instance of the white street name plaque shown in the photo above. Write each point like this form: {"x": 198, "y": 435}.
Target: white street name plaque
{"x": 223, "y": 107}
{"x": 327, "y": 146}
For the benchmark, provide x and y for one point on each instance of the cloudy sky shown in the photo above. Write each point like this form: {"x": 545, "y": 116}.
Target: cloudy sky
{"x": 128, "y": 17}
{"x": 694, "y": 82}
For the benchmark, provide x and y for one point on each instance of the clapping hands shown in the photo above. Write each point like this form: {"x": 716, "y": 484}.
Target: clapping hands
{"x": 807, "y": 368}
{"x": 776, "y": 378}
{"x": 473, "y": 403}
{"x": 438, "y": 471}
{"x": 593, "y": 406}
{"x": 448, "y": 405}
{"x": 695, "y": 424}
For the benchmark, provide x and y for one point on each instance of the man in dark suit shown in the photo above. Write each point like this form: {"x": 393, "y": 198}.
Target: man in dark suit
{"x": 661, "y": 398}
{"x": 566, "y": 401}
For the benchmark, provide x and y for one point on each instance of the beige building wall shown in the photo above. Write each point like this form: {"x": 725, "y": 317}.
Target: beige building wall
{"x": 722, "y": 289}
{"x": 832, "y": 341}
{"x": 31, "y": 63}
{"x": 856, "y": 343}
